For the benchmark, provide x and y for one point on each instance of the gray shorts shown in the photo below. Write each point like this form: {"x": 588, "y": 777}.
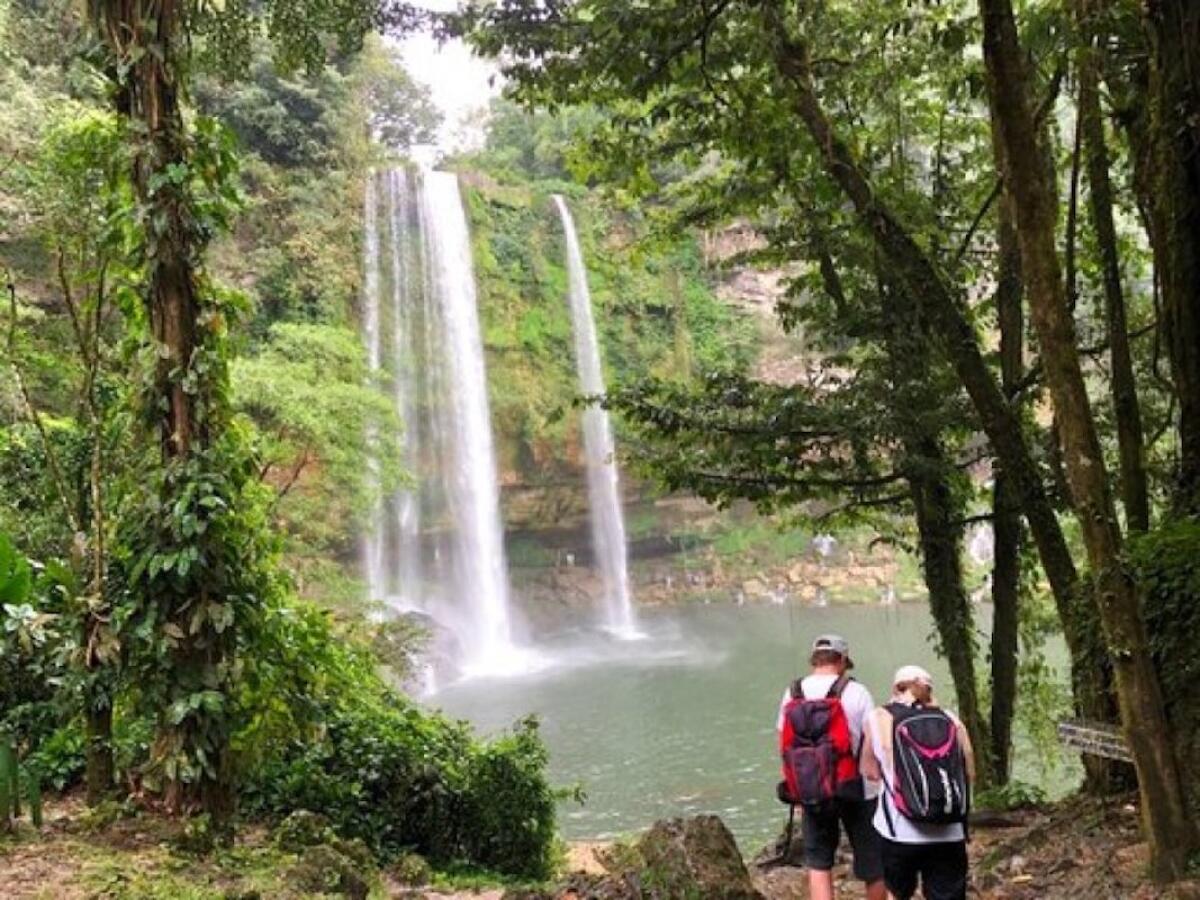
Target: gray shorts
{"x": 821, "y": 832}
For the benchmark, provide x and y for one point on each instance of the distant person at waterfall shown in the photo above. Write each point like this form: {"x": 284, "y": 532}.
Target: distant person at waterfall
{"x": 821, "y": 727}
{"x": 922, "y": 811}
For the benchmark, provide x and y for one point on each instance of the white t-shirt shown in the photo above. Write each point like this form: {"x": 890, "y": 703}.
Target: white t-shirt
{"x": 907, "y": 831}
{"x": 856, "y": 701}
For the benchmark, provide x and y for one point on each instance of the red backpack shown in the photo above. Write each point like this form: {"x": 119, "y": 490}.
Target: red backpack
{"x": 819, "y": 760}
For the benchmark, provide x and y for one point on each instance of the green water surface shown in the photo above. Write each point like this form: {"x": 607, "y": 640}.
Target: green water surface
{"x": 683, "y": 722}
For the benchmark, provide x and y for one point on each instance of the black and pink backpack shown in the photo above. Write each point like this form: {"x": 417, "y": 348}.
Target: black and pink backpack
{"x": 929, "y": 767}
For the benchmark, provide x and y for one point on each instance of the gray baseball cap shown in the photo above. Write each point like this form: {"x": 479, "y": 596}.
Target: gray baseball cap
{"x": 836, "y": 643}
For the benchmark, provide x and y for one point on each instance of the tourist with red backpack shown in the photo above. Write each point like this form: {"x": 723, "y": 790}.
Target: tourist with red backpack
{"x": 921, "y": 755}
{"x": 821, "y": 727}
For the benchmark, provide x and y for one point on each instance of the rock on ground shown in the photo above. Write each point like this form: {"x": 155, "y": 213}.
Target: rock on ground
{"x": 677, "y": 859}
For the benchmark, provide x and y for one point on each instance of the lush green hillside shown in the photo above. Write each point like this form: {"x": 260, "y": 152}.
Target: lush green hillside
{"x": 655, "y": 305}
{"x": 294, "y": 257}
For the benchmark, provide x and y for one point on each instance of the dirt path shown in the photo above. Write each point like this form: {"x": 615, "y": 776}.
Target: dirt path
{"x": 1082, "y": 849}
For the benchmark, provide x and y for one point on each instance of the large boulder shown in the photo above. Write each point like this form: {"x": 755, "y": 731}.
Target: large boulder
{"x": 677, "y": 859}
{"x": 324, "y": 870}
{"x": 692, "y": 858}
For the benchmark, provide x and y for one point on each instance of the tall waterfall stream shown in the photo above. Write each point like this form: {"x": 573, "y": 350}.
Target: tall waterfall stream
{"x": 603, "y": 479}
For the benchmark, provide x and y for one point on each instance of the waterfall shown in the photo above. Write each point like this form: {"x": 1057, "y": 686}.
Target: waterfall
{"x": 474, "y": 492}
{"x": 373, "y": 550}
{"x": 441, "y": 551}
{"x": 604, "y": 490}
{"x": 406, "y": 295}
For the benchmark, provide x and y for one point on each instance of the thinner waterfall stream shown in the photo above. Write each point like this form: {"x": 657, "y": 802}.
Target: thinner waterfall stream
{"x": 604, "y": 486}
{"x": 435, "y": 545}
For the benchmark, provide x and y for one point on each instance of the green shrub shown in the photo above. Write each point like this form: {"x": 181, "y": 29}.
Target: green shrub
{"x": 302, "y": 829}
{"x": 509, "y": 806}
{"x": 60, "y": 759}
{"x": 1166, "y": 566}
{"x": 1014, "y": 795}
{"x": 411, "y": 869}
{"x": 32, "y": 647}
{"x": 326, "y": 734}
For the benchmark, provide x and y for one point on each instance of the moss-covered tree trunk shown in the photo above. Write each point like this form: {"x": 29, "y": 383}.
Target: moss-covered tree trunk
{"x": 939, "y": 512}
{"x": 1173, "y": 180}
{"x": 145, "y": 38}
{"x": 1170, "y": 833}
{"x": 1134, "y": 491}
{"x": 1006, "y": 515}
{"x": 1174, "y": 27}
{"x": 939, "y": 526}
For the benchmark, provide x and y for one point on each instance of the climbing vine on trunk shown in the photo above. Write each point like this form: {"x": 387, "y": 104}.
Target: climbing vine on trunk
{"x": 195, "y": 546}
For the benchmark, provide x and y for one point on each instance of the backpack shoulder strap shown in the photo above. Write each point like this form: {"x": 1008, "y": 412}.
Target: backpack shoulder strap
{"x": 835, "y": 689}
{"x": 882, "y": 722}
{"x": 797, "y": 689}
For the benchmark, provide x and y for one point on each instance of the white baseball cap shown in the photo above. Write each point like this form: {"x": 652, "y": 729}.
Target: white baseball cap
{"x": 908, "y": 674}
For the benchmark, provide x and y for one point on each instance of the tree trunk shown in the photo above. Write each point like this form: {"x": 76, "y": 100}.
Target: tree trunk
{"x": 99, "y": 770}
{"x": 1006, "y": 516}
{"x": 1170, "y": 834}
{"x": 948, "y": 321}
{"x": 149, "y": 95}
{"x": 1134, "y": 492}
{"x": 147, "y": 41}
{"x": 939, "y": 513}
{"x": 938, "y": 516}
{"x": 1175, "y": 124}
{"x": 99, "y": 715}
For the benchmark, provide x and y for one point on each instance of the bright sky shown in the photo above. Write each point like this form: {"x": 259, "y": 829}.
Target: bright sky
{"x": 458, "y": 80}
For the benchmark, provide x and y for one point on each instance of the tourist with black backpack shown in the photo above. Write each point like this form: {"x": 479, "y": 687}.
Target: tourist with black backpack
{"x": 921, "y": 755}
{"x": 821, "y": 727}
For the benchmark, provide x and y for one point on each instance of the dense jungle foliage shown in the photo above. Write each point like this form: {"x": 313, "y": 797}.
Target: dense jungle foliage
{"x": 985, "y": 216}
{"x": 988, "y": 215}
{"x": 294, "y": 700}
{"x": 277, "y": 691}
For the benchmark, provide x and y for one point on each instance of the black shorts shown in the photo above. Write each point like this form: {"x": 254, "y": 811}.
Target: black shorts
{"x": 941, "y": 868}
{"x": 822, "y": 833}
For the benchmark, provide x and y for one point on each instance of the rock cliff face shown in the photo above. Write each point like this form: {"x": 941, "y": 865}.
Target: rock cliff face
{"x": 672, "y": 312}
{"x": 782, "y": 358}
{"x": 655, "y": 306}
{"x": 646, "y": 312}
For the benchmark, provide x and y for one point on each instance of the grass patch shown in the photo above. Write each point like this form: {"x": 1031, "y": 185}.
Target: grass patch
{"x": 761, "y": 541}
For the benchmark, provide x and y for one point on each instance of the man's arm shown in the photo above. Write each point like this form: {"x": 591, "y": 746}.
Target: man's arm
{"x": 864, "y": 710}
